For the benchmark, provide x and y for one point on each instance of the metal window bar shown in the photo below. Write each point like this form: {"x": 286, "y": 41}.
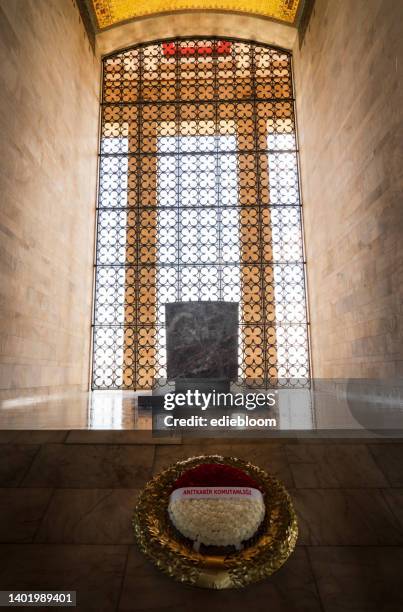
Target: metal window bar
{"x": 199, "y": 199}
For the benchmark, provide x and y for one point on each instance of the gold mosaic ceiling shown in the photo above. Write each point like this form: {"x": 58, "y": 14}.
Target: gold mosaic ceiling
{"x": 112, "y": 12}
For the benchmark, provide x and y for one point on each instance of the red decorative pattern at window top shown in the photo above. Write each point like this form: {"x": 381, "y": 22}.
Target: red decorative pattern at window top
{"x": 215, "y": 475}
{"x": 170, "y": 49}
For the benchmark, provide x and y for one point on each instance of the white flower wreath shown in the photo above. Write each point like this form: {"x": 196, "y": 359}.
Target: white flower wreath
{"x": 218, "y": 521}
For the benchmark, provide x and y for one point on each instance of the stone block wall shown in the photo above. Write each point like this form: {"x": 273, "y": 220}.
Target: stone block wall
{"x": 49, "y": 95}
{"x": 349, "y": 88}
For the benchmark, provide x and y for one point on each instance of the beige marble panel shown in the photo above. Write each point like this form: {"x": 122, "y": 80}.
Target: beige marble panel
{"x": 349, "y": 93}
{"x": 196, "y": 23}
{"x": 49, "y": 88}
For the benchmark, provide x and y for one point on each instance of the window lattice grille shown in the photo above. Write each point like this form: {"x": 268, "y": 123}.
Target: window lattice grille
{"x": 198, "y": 200}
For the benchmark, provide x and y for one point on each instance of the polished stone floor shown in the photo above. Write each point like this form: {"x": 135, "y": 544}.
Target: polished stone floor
{"x": 73, "y": 410}
{"x": 67, "y": 497}
{"x": 119, "y": 410}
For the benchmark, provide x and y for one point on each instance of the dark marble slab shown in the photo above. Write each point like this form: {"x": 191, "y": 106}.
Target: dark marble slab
{"x": 21, "y": 512}
{"x": 389, "y": 457}
{"x": 394, "y": 498}
{"x": 91, "y": 466}
{"x": 32, "y": 436}
{"x": 95, "y": 572}
{"x": 269, "y": 456}
{"x": 89, "y": 516}
{"x": 202, "y": 340}
{"x": 345, "y": 517}
{"x": 118, "y": 436}
{"x": 15, "y": 459}
{"x": 359, "y": 579}
{"x": 291, "y": 589}
{"x": 334, "y": 465}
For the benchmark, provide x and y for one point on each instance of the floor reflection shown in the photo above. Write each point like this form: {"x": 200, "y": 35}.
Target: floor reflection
{"x": 78, "y": 410}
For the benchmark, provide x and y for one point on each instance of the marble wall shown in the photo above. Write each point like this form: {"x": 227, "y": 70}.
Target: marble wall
{"x": 349, "y": 87}
{"x": 196, "y": 23}
{"x": 49, "y": 130}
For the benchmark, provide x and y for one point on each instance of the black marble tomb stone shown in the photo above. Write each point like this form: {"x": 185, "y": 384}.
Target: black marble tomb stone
{"x": 202, "y": 341}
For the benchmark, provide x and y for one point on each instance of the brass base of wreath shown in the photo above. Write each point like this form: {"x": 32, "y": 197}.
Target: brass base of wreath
{"x": 156, "y": 536}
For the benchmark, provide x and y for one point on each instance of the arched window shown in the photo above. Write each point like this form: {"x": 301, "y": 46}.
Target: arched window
{"x": 198, "y": 200}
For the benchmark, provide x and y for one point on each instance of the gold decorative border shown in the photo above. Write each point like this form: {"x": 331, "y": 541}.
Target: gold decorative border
{"x": 112, "y": 12}
{"x": 156, "y": 538}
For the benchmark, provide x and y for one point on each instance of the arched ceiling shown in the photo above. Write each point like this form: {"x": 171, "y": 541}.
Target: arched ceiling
{"x": 109, "y": 13}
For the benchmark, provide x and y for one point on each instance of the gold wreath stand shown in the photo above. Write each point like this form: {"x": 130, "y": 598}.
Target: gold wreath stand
{"x": 157, "y": 539}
